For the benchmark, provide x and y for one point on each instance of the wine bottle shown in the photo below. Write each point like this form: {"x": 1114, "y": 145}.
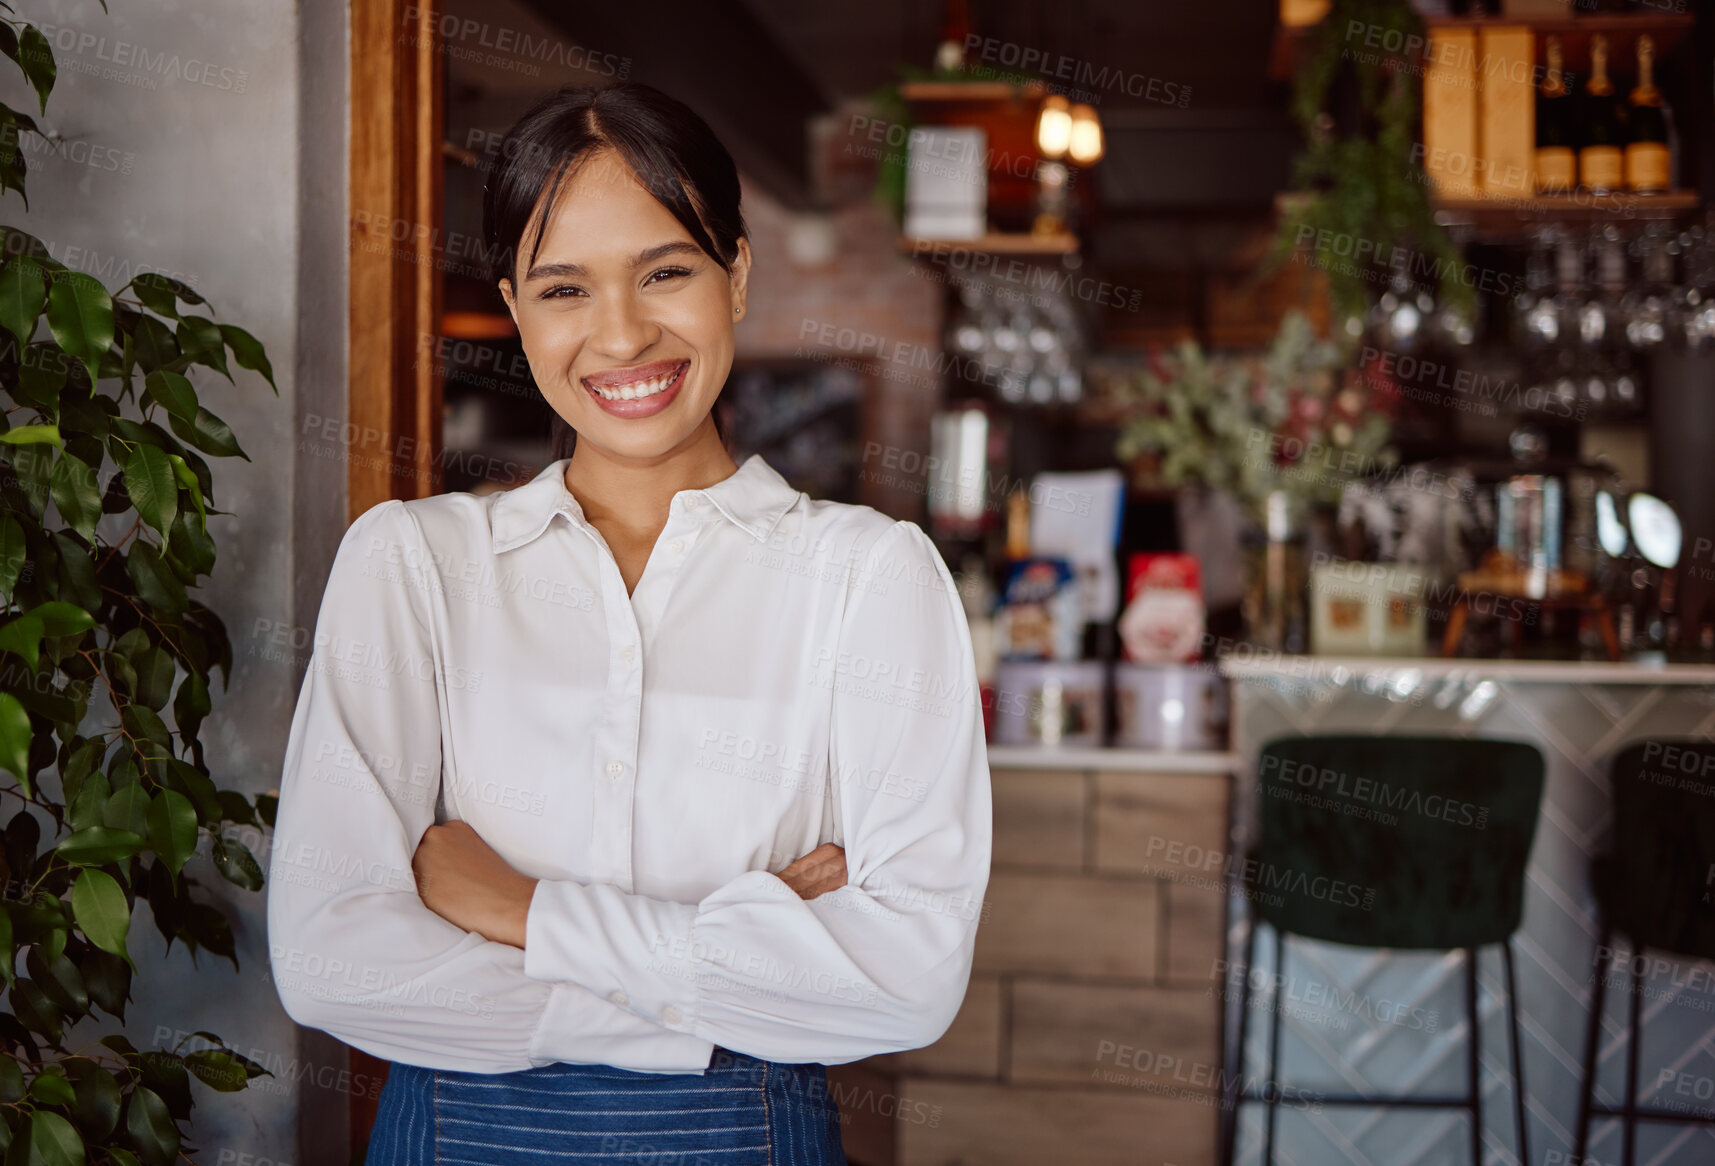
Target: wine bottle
{"x": 1648, "y": 163}
{"x": 1601, "y": 161}
{"x": 1556, "y": 157}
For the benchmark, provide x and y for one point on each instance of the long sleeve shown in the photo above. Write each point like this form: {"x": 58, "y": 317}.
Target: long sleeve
{"x": 881, "y": 964}
{"x": 353, "y": 949}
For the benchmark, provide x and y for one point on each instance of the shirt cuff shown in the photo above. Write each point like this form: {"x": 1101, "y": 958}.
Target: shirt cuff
{"x": 636, "y": 952}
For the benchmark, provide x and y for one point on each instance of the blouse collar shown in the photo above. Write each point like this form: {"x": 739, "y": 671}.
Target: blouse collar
{"x": 754, "y": 498}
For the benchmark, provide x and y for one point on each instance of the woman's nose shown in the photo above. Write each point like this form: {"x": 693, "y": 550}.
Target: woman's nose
{"x": 622, "y": 328}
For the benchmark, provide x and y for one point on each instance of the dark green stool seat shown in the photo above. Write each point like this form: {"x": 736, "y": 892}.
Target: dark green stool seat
{"x": 1403, "y": 843}
{"x": 1652, "y": 888}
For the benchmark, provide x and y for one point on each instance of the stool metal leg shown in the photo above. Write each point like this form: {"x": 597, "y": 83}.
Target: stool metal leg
{"x": 1592, "y": 1041}
{"x": 1233, "y": 1089}
{"x": 1634, "y": 1037}
{"x": 1473, "y": 1058}
{"x": 1518, "y": 1053}
{"x": 1271, "y": 1088}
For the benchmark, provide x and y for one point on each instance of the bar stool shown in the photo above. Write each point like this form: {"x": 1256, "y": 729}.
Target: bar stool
{"x": 1650, "y": 888}
{"x": 1443, "y": 871}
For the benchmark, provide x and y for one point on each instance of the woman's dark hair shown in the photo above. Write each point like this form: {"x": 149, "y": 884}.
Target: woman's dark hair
{"x": 673, "y": 153}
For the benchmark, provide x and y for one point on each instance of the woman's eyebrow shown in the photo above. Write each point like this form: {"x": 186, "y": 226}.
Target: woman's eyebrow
{"x": 649, "y": 255}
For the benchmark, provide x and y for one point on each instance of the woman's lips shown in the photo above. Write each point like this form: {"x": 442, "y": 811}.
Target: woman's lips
{"x": 645, "y": 378}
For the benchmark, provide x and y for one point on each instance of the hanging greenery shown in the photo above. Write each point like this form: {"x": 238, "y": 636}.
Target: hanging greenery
{"x": 108, "y": 660}
{"x": 1364, "y": 196}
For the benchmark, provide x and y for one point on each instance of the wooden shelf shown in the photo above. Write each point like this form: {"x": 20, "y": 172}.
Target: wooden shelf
{"x": 969, "y": 92}
{"x": 1507, "y": 217}
{"x": 994, "y": 243}
{"x": 1668, "y": 28}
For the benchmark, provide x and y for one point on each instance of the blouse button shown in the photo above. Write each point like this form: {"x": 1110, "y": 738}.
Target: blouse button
{"x": 671, "y": 1015}
{"x": 674, "y": 546}
{"x": 627, "y": 653}
{"x": 615, "y": 768}
{"x": 619, "y": 998}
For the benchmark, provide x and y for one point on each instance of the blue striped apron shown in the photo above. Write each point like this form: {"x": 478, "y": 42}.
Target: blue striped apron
{"x": 742, "y": 1112}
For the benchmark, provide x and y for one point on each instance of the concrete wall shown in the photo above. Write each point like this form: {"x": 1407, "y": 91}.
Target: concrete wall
{"x": 208, "y": 142}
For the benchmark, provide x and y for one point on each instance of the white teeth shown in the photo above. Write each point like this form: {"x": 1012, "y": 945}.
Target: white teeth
{"x": 638, "y": 389}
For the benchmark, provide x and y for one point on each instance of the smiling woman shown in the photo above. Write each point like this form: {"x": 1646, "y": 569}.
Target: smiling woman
{"x": 640, "y": 161}
{"x": 653, "y": 887}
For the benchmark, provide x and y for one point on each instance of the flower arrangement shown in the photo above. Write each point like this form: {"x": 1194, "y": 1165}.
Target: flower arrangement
{"x": 1297, "y": 418}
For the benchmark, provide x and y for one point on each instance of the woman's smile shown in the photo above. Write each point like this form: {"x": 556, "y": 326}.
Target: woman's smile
{"x": 639, "y": 391}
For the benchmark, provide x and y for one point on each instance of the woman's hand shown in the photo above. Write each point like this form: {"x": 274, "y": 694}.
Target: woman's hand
{"x": 817, "y": 873}
{"x": 461, "y": 879}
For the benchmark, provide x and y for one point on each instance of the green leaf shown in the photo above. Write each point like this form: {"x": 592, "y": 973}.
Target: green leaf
{"x": 7, "y": 950}
{"x": 52, "y": 1089}
{"x": 247, "y": 351}
{"x": 127, "y": 809}
{"x": 217, "y": 1069}
{"x": 234, "y": 860}
{"x": 11, "y": 1078}
{"x": 54, "y": 1141}
{"x": 72, "y": 485}
{"x": 60, "y": 618}
{"x": 156, "y": 292}
{"x": 142, "y": 722}
{"x": 98, "y": 1098}
{"x": 22, "y": 636}
{"x": 156, "y": 583}
{"x": 33, "y": 435}
{"x": 173, "y": 392}
{"x": 172, "y": 828}
{"x": 154, "y": 677}
{"x": 98, "y": 904}
{"x": 201, "y": 340}
{"x": 42, "y": 376}
{"x": 23, "y": 294}
{"x": 150, "y": 482}
{"x": 96, "y": 845}
{"x": 80, "y": 315}
{"x": 36, "y": 58}
{"x": 14, "y": 550}
{"x": 209, "y": 434}
{"x": 151, "y": 1127}
{"x": 195, "y": 784}
{"x": 15, "y": 736}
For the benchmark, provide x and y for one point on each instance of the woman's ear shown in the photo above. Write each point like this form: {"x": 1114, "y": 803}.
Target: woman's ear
{"x": 505, "y": 286}
{"x": 740, "y": 275}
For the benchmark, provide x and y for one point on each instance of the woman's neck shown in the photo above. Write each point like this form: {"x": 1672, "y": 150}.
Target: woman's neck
{"x": 634, "y": 495}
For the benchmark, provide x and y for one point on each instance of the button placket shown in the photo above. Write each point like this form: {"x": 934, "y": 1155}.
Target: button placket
{"x": 615, "y": 740}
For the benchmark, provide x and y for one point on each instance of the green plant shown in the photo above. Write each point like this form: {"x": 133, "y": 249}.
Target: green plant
{"x": 1359, "y": 177}
{"x": 100, "y": 635}
{"x": 1297, "y": 418}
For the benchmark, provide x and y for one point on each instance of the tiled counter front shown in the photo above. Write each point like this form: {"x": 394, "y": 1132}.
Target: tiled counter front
{"x": 1091, "y": 1030}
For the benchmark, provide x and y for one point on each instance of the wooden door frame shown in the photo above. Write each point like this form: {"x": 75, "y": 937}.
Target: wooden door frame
{"x": 393, "y": 387}
{"x": 394, "y": 402}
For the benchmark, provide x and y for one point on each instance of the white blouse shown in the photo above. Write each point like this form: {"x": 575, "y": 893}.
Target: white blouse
{"x": 787, "y": 672}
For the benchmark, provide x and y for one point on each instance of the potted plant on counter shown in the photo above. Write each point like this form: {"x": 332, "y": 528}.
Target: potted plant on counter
{"x": 1277, "y": 433}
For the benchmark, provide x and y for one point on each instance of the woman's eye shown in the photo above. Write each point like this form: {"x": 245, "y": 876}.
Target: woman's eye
{"x": 667, "y": 271}
{"x": 562, "y": 291}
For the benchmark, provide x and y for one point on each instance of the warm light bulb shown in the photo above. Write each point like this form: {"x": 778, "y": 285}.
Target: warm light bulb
{"x": 1053, "y": 127}
{"x": 1084, "y": 142}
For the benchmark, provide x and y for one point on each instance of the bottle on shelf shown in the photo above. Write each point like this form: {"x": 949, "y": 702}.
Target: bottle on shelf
{"x": 1556, "y": 158}
{"x": 1649, "y": 162}
{"x": 1601, "y": 159}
